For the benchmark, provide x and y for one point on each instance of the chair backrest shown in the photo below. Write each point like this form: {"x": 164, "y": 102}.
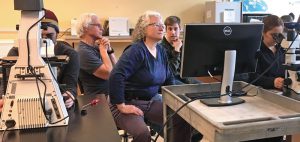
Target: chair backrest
{"x": 127, "y": 47}
{"x": 5, "y": 46}
{"x": 80, "y": 90}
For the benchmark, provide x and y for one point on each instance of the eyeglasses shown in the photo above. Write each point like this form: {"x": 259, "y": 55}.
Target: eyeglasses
{"x": 98, "y": 25}
{"x": 158, "y": 25}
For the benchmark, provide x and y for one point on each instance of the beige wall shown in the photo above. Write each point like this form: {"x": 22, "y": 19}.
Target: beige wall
{"x": 190, "y": 11}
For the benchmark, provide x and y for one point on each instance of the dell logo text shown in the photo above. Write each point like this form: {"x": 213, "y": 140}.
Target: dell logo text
{"x": 227, "y": 31}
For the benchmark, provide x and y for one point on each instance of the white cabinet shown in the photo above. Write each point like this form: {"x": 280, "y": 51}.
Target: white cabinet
{"x": 220, "y": 12}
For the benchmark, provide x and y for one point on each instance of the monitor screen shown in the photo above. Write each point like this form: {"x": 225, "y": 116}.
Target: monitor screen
{"x": 205, "y": 44}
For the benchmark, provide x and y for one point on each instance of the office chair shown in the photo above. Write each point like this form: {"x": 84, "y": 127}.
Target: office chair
{"x": 79, "y": 87}
{"x": 125, "y": 135}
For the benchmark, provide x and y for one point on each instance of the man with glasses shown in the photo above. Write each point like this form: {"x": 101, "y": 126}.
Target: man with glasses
{"x": 96, "y": 55}
{"x": 68, "y": 74}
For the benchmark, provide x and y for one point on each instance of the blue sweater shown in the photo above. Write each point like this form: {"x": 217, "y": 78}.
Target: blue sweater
{"x": 138, "y": 72}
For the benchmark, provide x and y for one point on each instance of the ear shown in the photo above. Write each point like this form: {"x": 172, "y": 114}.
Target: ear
{"x": 84, "y": 29}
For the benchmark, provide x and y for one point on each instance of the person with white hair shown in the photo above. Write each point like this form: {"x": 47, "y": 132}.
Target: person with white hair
{"x": 96, "y": 55}
{"x": 136, "y": 79}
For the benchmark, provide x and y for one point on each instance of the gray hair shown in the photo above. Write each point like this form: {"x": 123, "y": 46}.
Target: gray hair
{"x": 142, "y": 23}
{"x": 83, "y": 22}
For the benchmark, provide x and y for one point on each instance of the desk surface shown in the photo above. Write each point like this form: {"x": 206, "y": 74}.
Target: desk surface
{"x": 263, "y": 115}
{"x": 96, "y": 126}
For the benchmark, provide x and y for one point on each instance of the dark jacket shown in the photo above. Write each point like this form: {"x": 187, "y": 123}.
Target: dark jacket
{"x": 265, "y": 57}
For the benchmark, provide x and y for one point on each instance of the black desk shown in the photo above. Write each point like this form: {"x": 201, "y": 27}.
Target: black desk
{"x": 96, "y": 126}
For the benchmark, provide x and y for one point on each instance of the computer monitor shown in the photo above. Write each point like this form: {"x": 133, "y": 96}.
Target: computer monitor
{"x": 204, "y": 49}
{"x": 205, "y": 44}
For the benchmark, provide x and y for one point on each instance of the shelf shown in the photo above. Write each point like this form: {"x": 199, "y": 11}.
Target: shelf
{"x": 113, "y": 39}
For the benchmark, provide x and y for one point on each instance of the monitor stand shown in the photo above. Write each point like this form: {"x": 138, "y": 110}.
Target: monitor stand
{"x": 227, "y": 83}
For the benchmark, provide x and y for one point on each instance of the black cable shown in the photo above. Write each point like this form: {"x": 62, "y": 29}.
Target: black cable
{"x": 170, "y": 116}
{"x": 43, "y": 104}
{"x": 27, "y": 39}
{"x": 31, "y": 69}
{"x": 266, "y": 70}
{"x": 3, "y": 134}
{"x": 44, "y": 100}
{"x": 49, "y": 66}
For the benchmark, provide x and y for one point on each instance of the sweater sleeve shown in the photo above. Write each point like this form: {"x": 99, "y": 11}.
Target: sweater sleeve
{"x": 129, "y": 62}
{"x": 263, "y": 81}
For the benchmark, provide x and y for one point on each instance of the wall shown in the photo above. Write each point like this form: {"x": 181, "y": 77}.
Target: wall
{"x": 190, "y": 11}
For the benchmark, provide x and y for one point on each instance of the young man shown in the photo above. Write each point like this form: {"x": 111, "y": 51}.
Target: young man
{"x": 96, "y": 55}
{"x": 172, "y": 43}
{"x": 68, "y": 74}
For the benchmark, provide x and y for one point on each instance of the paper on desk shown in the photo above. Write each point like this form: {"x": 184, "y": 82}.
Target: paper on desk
{"x": 118, "y": 26}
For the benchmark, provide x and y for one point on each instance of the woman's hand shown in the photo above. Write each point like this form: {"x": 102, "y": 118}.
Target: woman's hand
{"x": 128, "y": 109}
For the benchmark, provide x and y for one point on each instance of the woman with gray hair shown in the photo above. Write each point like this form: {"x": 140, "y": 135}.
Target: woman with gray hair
{"x": 96, "y": 55}
{"x": 136, "y": 79}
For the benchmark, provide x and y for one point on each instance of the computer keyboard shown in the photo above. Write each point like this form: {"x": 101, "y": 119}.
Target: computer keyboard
{"x": 206, "y": 95}
{"x": 203, "y": 95}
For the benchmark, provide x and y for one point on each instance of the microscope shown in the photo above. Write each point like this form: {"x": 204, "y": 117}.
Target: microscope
{"x": 33, "y": 98}
{"x": 292, "y": 58}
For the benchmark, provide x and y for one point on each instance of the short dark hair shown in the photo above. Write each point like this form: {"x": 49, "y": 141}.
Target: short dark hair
{"x": 292, "y": 15}
{"x": 270, "y": 22}
{"x": 286, "y": 18}
{"x": 171, "y": 20}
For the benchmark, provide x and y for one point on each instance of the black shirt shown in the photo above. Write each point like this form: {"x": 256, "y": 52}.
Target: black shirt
{"x": 265, "y": 57}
